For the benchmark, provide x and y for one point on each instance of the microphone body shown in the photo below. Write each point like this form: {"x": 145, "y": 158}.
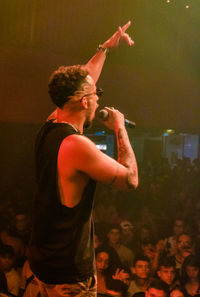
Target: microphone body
{"x": 104, "y": 115}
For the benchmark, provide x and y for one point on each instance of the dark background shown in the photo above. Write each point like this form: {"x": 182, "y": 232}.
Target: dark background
{"x": 156, "y": 83}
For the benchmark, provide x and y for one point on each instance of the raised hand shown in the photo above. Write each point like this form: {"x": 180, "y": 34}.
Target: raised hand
{"x": 119, "y": 35}
{"x": 119, "y": 274}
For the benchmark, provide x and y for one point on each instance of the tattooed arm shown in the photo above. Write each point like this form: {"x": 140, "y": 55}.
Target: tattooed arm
{"x": 79, "y": 156}
{"x": 126, "y": 155}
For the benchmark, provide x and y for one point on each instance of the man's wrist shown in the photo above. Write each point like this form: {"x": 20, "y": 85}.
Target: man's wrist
{"x": 119, "y": 128}
{"x": 105, "y": 50}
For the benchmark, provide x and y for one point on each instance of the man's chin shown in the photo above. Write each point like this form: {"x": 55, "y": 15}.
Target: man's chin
{"x": 87, "y": 125}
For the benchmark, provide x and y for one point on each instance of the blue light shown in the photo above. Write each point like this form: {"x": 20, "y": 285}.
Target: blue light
{"x": 100, "y": 133}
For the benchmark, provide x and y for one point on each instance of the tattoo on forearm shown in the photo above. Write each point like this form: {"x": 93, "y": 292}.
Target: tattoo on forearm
{"x": 124, "y": 154}
{"x": 126, "y": 157}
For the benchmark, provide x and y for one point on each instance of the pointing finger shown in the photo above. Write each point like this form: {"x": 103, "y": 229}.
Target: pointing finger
{"x": 126, "y": 26}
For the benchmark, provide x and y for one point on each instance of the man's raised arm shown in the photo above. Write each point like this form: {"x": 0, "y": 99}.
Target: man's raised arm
{"x": 95, "y": 64}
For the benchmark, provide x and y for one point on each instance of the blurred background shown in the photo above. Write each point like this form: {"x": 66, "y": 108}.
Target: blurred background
{"x": 155, "y": 83}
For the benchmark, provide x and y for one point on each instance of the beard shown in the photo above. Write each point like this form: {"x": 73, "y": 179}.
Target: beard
{"x": 88, "y": 121}
{"x": 87, "y": 124}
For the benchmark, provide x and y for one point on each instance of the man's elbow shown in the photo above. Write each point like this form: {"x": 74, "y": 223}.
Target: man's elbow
{"x": 132, "y": 180}
{"x": 129, "y": 185}
{"x": 135, "y": 185}
{"x": 132, "y": 185}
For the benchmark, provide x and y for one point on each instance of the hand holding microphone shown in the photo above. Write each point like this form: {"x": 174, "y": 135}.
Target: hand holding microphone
{"x": 107, "y": 114}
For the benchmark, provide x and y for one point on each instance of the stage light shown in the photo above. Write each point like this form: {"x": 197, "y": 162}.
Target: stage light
{"x": 100, "y": 133}
{"x": 170, "y": 131}
{"x": 186, "y": 5}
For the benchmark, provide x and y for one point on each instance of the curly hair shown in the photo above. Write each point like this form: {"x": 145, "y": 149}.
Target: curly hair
{"x": 191, "y": 260}
{"x": 64, "y": 82}
{"x": 166, "y": 261}
{"x": 158, "y": 285}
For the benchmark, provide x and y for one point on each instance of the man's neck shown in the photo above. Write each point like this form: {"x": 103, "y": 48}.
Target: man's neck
{"x": 70, "y": 125}
{"x": 76, "y": 120}
{"x": 194, "y": 281}
{"x": 141, "y": 282}
{"x": 116, "y": 246}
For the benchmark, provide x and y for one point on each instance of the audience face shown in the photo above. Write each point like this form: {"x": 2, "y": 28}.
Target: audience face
{"x": 149, "y": 250}
{"x": 114, "y": 236}
{"x": 127, "y": 230}
{"x": 21, "y": 222}
{"x": 167, "y": 274}
{"x": 141, "y": 269}
{"x": 144, "y": 234}
{"x": 102, "y": 261}
{"x": 185, "y": 246}
{"x": 6, "y": 263}
{"x": 192, "y": 272}
{"x": 178, "y": 227}
{"x": 176, "y": 293}
{"x": 152, "y": 292}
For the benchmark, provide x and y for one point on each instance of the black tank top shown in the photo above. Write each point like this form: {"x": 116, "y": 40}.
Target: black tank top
{"x": 61, "y": 247}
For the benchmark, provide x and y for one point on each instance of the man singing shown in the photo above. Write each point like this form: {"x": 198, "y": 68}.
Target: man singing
{"x": 68, "y": 165}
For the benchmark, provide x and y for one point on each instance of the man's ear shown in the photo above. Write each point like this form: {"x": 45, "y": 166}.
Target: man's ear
{"x": 84, "y": 102}
{"x": 158, "y": 273}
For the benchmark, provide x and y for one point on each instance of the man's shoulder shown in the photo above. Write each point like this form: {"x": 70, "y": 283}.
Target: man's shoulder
{"x": 77, "y": 143}
{"x": 77, "y": 138}
{"x": 133, "y": 284}
{"x": 13, "y": 275}
{"x": 133, "y": 288}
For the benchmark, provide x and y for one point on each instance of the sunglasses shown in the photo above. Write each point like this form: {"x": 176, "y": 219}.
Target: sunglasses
{"x": 98, "y": 92}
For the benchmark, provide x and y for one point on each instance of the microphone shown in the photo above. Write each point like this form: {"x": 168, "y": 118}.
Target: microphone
{"x": 104, "y": 115}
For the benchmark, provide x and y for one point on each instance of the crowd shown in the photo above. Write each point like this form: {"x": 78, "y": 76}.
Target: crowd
{"x": 146, "y": 242}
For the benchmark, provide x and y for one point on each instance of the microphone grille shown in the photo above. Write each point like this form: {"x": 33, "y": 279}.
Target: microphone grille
{"x": 103, "y": 114}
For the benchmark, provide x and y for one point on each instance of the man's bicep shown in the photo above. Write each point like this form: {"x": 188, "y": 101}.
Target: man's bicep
{"x": 100, "y": 166}
{"x": 87, "y": 158}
